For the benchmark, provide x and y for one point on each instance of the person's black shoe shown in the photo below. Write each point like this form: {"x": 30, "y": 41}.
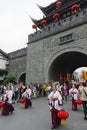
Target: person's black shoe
{"x": 52, "y": 127}
{"x": 85, "y": 118}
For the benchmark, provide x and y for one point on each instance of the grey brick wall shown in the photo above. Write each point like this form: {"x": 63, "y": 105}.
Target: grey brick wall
{"x": 45, "y": 46}
{"x": 17, "y": 62}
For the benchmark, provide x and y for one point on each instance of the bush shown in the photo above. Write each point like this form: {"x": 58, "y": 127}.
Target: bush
{"x": 10, "y": 79}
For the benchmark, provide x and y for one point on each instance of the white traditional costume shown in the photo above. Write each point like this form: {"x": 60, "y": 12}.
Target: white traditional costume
{"x": 55, "y": 103}
{"x": 8, "y": 108}
{"x": 74, "y": 93}
{"x": 55, "y": 100}
{"x": 27, "y": 96}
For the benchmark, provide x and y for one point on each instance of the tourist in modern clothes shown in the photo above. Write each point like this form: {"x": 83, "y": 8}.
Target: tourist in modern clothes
{"x": 15, "y": 92}
{"x": 55, "y": 102}
{"x": 8, "y": 108}
{"x": 83, "y": 92}
{"x": 74, "y": 93}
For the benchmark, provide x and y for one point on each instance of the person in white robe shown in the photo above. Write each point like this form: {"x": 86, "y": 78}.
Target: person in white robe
{"x": 55, "y": 103}
{"x": 8, "y": 107}
{"x": 74, "y": 93}
{"x": 27, "y": 95}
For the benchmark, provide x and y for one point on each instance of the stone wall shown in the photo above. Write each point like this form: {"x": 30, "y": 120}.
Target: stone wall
{"x": 67, "y": 35}
{"x": 17, "y": 62}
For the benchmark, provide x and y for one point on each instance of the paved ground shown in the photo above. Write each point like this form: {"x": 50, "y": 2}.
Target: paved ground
{"x": 38, "y": 117}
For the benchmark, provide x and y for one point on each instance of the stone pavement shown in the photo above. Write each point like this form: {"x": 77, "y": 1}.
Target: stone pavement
{"x": 38, "y": 117}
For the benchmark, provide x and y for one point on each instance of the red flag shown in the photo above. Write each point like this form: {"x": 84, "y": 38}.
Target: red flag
{"x": 61, "y": 77}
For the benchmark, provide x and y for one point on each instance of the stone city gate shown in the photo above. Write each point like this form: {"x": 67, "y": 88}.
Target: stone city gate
{"x": 59, "y": 46}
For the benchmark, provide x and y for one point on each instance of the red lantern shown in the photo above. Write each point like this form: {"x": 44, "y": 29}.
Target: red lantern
{"x": 56, "y": 16}
{"x": 43, "y": 23}
{"x": 79, "y": 102}
{"x": 22, "y": 100}
{"x": 58, "y": 4}
{"x": 75, "y": 8}
{"x": 1, "y": 104}
{"x": 63, "y": 115}
{"x": 34, "y": 26}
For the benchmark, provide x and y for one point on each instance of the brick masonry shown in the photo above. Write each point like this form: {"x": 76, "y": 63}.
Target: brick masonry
{"x": 46, "y": 45}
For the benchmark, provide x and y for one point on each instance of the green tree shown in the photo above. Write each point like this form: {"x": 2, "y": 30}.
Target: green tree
{"x": 10, "y": 79}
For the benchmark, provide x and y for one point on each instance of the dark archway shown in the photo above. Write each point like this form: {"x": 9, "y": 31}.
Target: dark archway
{"x": 22, "y": 78}
{"x": 67, "y": 63}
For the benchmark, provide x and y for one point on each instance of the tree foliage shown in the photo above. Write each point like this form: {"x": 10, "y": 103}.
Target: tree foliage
{"x": 10, "y": 79}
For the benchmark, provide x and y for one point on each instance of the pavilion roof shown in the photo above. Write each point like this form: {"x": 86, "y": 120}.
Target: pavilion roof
{"x": 51, "y": 9}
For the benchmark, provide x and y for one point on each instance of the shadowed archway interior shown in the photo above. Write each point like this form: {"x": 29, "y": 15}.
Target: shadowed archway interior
{"x": 66, "y": 63}
{"x": 22, "y": 78}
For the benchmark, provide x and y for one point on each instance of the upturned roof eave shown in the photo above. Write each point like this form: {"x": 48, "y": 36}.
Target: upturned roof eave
{"x": 57, "y": 10}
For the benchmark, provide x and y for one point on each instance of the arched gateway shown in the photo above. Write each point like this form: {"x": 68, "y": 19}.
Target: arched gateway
{"x": 65, "y": 63}
{"x": 60, "y": 44}
{"x": 22, "y": 78}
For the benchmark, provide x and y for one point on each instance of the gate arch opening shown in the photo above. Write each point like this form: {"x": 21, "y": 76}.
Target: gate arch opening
{"x": 67, "y": 62}
{"x": 22, "y": 78}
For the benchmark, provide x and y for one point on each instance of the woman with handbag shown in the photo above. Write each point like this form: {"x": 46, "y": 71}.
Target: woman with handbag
{"x": 55, "y": 103}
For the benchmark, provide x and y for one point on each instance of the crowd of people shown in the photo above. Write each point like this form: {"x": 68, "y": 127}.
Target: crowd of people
{"x": 56, "y": 92}
{"x": 18, "y": 89}
{"x": 12, "y": 94}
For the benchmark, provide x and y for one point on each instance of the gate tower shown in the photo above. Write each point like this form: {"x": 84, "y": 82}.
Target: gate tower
{"x": 59, "y": 44}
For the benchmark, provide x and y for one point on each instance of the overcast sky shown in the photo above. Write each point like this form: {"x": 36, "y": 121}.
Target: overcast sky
{"x": 15, "y": 23}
